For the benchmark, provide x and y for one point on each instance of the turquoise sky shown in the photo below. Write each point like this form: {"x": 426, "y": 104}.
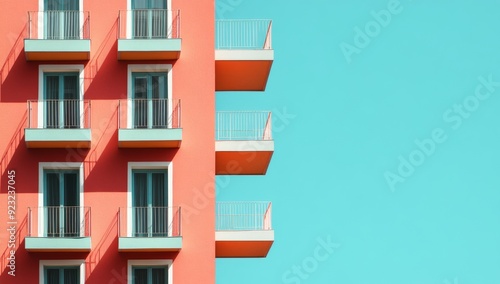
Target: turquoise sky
{"x": 388, "y": 145}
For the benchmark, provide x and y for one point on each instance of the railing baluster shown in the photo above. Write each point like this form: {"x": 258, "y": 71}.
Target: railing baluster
{"x": 61, "y": 221}
{"x": 149, "y": 222}
{"x": 242, "y": 216}
{"x": 243, "y": 34}
{"x": 245, "y": 125}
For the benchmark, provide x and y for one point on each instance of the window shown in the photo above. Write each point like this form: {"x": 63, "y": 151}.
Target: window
{"x": 62, "y": 105}
{"x": 150, "y": 100}
{"x": 149, "y": 89}
{"x": 62, "y": 210}
{"x": 150, "y": 200}
{"x": 150, "y": 271}
{"x": 61, "y": 199}
{"x": 150, "y": 19}
{"x": 60, "y": 96}
{"x": 62, "y": 275}
{"x": 66, "y": 271}
{"x": 62, "y": 19}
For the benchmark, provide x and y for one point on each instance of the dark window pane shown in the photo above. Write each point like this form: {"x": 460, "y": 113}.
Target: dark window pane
{"x": 159, "y": 275}
{"x": 140, "y": 275}
{"x": 52, "y": 276}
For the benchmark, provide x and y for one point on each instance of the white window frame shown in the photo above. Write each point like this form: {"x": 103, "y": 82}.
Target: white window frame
{"x": 41, "y": 181}
{"x": 150, "y": 262}
{"x": 52, "y": 68}
{"x": 151, "y": 68}
{"x": 41, "y": 21}
{"x": 129, "y": 18}
{"x": 149, "y": 166}
{"x": 59, "y": 263}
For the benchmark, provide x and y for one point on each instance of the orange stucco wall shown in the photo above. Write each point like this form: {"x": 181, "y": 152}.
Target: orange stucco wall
{"x": 105, "y": 165}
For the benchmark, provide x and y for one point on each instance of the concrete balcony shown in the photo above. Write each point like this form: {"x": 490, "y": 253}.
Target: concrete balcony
{"x": 243, "y": 54}
{"x": 150, "y": 123}
{"x": 58, "y": 229}
{"x": 58, "y": 124}
{"x": 150, "y": 34}
{"x": 243, "y": 229}
{"x": 58, "y": 36}
{"x": 149, "y": 229}
{"x": 244, "y": 144}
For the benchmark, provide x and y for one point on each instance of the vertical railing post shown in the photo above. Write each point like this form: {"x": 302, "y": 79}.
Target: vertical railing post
{"x": 29, "y": 25}
{"x": 180, "y": 221}
{"x": 29, "y": 222}
{"x": 268, "y": 41}
{"x": 119, "y": 31}
{"x": 89, "y": 229}
{"x": 119, "y": 114}
{"x": 29, "y": 114}
{"x": 179, "y": 115}
{"x": 119, "y": 222}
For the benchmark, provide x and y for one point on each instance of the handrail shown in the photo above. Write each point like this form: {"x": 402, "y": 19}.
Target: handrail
{"x": 243, "y": 34}
{"x": 149, "y": 221}
{"x": 149, "y": 24}
{"x": 61, "y": 221}
{"x": 59, "y": 24}
{"x": 63, "y": 113}
{"x": 243, "y": 216}
{"x": 149, "y": 114}
{"x": 243, "y": 125}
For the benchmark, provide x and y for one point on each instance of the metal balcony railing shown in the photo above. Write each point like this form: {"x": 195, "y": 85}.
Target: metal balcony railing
{"x": 56, "y": 25}
{"x": 243, "y": 125}
{"x": 59, "y": 221}
{"x": 150, "y": 113}
{"x": 243, "y": 34}
{"x": 59, "y": 114}
{"x": 149, "y": 222}
{"x": 243, "y": 216}
{"x": 149, "y": 24}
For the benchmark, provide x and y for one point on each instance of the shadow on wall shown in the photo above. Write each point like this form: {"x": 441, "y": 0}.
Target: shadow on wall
{"x": 103, "y": 249}
{"x": 13, "y": 242}
{"x": 14, "y": 143}
{"x": 104, "y": 57}
{"x": 12, "y": 62}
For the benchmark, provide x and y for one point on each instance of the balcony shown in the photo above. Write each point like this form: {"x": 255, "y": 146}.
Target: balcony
{"x": 150, "y": 123}
{"x": 243, "y": 145}
{"x": 243, "y": 54}
{"x": 58, "y": 124}
{"x": 58, "y": 36}
{"x": 243, "y": 229}
{"x": 58, "y": 229}
{"x": 149, "y": 229}
{"x": 151, "y": 34}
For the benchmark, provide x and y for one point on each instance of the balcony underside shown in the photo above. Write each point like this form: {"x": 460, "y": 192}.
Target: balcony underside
{"x": 243, "y": 157}
{"x": 57, "y": 138}
{"x": 150, "y": 138}
{"x": 35, "y": 244}
{"x": 56, "y": 50}
{"x": 156, "y": 244}
{"x": 149, "y": 49}
{"x": 243, "y": 244}
{"x": 242, "y": 70}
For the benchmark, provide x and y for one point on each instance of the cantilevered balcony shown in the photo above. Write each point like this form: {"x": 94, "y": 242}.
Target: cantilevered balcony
{"x": 58, "y": 36}
{"x": 58, "y": 229}
{"x": 58, "y": 124}
{"x": 149, "y": 34}
{"x": 150, "y": 123}
{"x": 244, "y": 144}
{"x": 243, "y": 54}
{"x": 243, "y": 229}
{"x": 149, "y": 229}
